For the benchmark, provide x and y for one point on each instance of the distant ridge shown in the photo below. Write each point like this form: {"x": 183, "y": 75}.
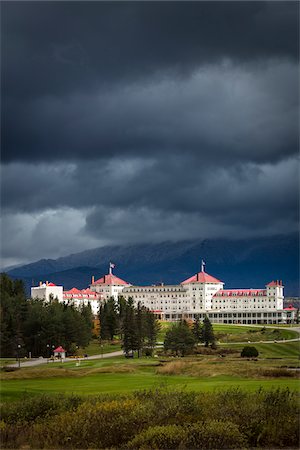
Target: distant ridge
{"x": 239, "y": 263}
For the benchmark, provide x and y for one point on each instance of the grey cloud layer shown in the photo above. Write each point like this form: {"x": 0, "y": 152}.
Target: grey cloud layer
{"x": 221, "y": 111}
{"x": 147, "y": 121}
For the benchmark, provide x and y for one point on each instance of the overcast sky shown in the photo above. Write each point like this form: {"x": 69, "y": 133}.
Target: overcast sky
{"x": 146, "y": 121}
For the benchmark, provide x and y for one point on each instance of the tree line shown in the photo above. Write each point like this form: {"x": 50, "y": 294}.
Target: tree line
{"x": 135, "y": 326}
{"x": 37, "y": 327}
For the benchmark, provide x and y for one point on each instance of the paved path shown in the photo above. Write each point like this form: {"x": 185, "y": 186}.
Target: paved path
{"x": 39, "y": 361}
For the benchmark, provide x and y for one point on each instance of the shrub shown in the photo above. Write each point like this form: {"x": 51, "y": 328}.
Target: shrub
{"x": 148, "y": 351}
{"x": 214, "y": 435}
{"x": 92, "y": 425}
{"x": 249, "y": 352}
{"x": 31, "y": 408}
{"x": 9, "y": 369}
{"x": 149, "y": 419}
{"x": 159, "y": 437}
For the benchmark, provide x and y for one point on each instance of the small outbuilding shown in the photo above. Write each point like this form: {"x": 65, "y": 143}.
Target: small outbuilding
{"x": 59, "y": 352}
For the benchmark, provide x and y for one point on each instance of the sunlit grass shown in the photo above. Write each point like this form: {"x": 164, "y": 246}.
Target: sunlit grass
{"x": 120, "y": 375}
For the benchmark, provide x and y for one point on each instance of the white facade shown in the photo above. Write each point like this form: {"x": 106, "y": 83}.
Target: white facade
{"x": 203, "y": 294}
{"x": 84, "y": 297}
{"x": 47, "y": 290}
{"x": 199, "y": 295}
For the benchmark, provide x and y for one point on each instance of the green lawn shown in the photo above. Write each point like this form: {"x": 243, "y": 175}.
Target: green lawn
{"x": 120, "y": 375}
{"x": 121, "y": 383}
{"x": 234, "y": 333}
{"x": 94, "y": 348}
{"x": 284, "y": 350}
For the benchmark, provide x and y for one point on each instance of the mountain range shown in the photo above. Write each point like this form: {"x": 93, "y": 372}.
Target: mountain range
{"x": 248, "y": 263}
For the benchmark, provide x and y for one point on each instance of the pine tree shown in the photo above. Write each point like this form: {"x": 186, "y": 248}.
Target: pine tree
{"x": 112, "y": 318}
{"x": 180, "y": 339}
{"x": 197, "y": 329}
{"x": 151, "y": 329}
{"x": 140, "y": 328}
{"x": 104, "y": 330}
{"x": 207, "y": 335}
{"x": 130, "y": 338}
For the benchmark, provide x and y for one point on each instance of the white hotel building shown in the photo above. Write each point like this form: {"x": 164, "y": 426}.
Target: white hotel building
{"x": 198, "y": 296}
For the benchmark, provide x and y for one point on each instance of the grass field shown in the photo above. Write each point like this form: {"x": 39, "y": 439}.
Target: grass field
{"x": 234, "y": 333}
{"x": 119, "y": 375}
{"x": 106, "y": 383}
{"x": 204, "y": 372}
{"x": 284, "y": 350}
{"x": 94, "y": 348}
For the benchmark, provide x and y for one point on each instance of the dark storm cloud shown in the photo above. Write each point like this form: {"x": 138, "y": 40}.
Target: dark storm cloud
{"x": 221, "y": 111}
{"x": 146, "y": 121}
{"x": 54, "y": 51}
{"x": 210, "y": 190}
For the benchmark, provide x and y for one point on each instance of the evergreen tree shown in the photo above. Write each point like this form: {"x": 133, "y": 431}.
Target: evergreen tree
{"x": 151, "y": 329}
{"x": 104, "y": 331}
{"x": 112, "y": 318}
{"x": 130, "y": 338}
{"x": 207, "y": 334}
{"x": 13, "y": 313}
{"x": 108, "y": 317}
{"x": 197, "y": 329}
{"x": 121, "y": 307}
{"x": 140, "y": 327}
{"x": 180, "y": 339}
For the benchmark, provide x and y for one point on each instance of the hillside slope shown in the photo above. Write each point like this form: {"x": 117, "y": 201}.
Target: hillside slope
{"x": 241, "y": 263}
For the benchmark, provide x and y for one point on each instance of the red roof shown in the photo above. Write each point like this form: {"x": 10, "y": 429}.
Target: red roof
{"x": 201, "y": 277}
{"x": 88, "y": 291}
{"x": 111, "y": 280}
{"x": 59, "y": 350}
{"x": 73, "y": 291}
{"x": 76, "y": 293}
{"x": 275, "y": 283}
{"x": 290, "y": 308}
{"x": 51, "y": 284}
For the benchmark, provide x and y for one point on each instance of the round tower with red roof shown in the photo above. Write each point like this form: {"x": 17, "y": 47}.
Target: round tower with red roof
{"x": 201, "y": 288}
{"x": 109, "y": 285}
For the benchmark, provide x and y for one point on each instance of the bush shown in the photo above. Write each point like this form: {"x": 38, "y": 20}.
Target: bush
{"x": 159, "y": 437}
{"x": 9, "y": 369}
{"x": 149, "y": 419}
{"x": 93, "y": 425}
{"x": 31, "y": 408}
{"x": 214, "y": 435}
{"x": 148, "y": 351}
{"x": 249, "y": 352}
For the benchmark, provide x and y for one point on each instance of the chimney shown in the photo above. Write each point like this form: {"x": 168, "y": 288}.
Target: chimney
{"x": 41, "y": 283}
{"x": 93, "y": 279}
{"x": 47, "y": 282}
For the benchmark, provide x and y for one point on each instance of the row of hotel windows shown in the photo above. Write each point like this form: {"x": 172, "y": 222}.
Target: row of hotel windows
{"x": 157, "y": 289}
{"x": 243, "y": 300}
{"x": 233, "y": 315}
{"x": 164, "y": 296}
